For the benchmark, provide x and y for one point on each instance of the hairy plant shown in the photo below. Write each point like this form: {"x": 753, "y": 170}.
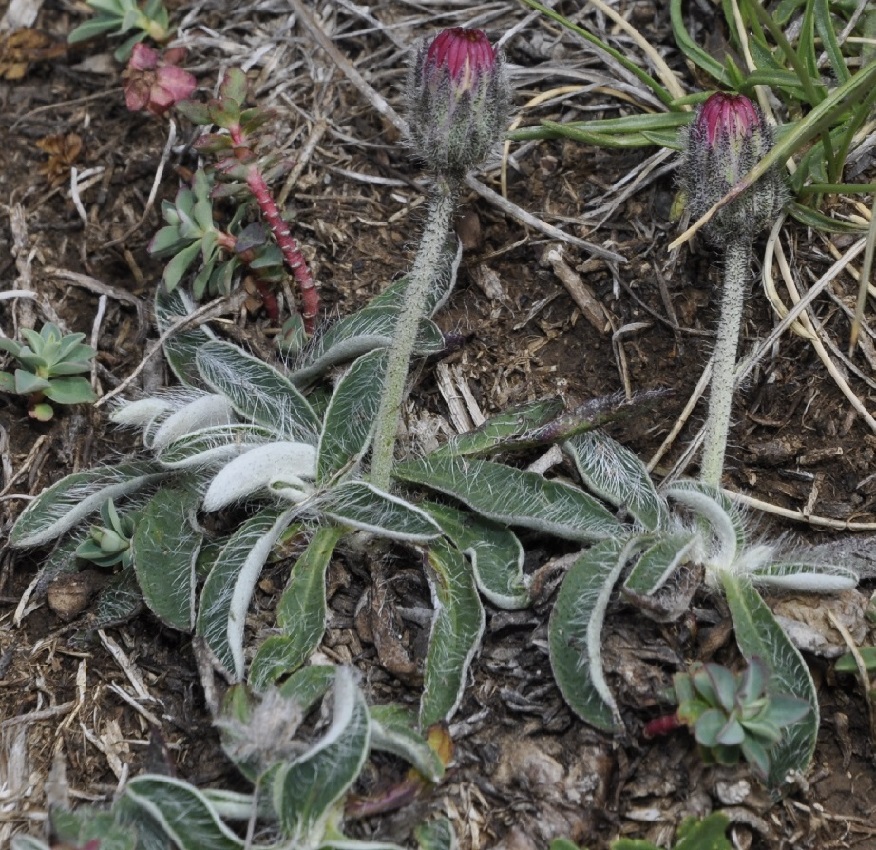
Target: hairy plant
{"x": 50, "y": 367}
{"x": 709, "y": 833}
{"x": 299, "y": 788}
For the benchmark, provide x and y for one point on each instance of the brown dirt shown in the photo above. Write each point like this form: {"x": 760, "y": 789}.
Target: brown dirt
{"x": 526, "y": 770}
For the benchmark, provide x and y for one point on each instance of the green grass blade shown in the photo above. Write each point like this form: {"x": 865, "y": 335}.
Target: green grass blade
{"x": 691, "y": 49}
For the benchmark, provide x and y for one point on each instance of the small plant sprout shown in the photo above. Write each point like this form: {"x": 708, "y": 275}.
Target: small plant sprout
{"x": 727, "y": 138}
{"x": 241, "y": 167}
{"x": 733, "y": 716}
{"x": 109, "y": 544}
{"x": 118, "y": 17}
{"x": 50, "y": 367}
{"x": 153, "y": 82}
{"x": 458, "y": 98}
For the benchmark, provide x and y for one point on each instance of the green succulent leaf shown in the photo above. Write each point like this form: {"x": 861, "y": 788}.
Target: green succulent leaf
{"x": 575, "y": 634}
{"x": 179, "y": 265}
{"x": 27, "y": 383}
{"x": 512, "y": 496}
{"x": 70, "y": 391}
{"x": 457, "y": 627}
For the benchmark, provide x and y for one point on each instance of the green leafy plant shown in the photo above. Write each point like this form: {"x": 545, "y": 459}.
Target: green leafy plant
{"x": 710, "y": 833}
{"x": 118, "y": 17}
{"x": 243, "y": 171}
{"x": 299, "y": 787}
{"x": 50, "y": 368}
{"x": 735, "y": 716}
{"x": 109, "y": 544}
{"x": 191, "y": 236}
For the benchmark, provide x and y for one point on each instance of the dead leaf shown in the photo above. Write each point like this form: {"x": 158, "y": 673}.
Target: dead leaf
{"x": 63, "y": 151}
{"x": 21, "y": 48}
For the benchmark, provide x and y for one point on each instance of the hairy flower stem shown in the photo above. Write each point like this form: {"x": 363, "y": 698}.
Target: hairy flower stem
{"x": 286, "y": 242}
{"x": 422, "y": 274}
{"x": 737, "y": 264}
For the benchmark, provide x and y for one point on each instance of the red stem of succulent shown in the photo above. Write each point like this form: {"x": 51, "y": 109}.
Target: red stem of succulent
{"x": 661, "y": 726}
{"x": 269, "y": 300}
{"x": 287, "y": 244}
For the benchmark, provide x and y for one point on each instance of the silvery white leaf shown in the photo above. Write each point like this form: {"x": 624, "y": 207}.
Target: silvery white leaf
{"x": 203, "y": 412}
{"x": 277, "y": 465}
{"x": 140, "y": 413}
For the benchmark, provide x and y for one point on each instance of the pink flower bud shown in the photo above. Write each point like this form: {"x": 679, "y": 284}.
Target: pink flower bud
{"x": 726, "y": 139}
{"x": 457, "y": 100}
{"x": 153, "y": 83}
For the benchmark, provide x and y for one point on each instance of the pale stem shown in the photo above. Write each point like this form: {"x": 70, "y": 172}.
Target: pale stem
{"x": 737, "y": 266}
{"x": 420, "y": 279}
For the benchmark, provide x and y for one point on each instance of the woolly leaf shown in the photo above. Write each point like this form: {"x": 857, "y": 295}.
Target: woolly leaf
{"x": 181, "y": 347}
{"x": 212, "y": 445}
{"x": 301, "y": 612}
{"x": 185, "y": 815}
{"x": 229, "y": 587}
{"x": 495, "y": 553}
{"x": 615, "y": 474}
{"x": 504, "y": 494}
{"x": 758, "y": 634}
{"x": 361, "y": 505}
{"x": 350, "y": 417}
{"x": 799, "y": 575}
{"x": 659, "y": 561}
{"x": 67, "y": 502}
{"x": 393, "y": 730}
{"x": 257, "y": 391}
{"x": 457, "y": 627}
{"x": 575, "y": 631}
{"x": 306, "y": 790}
{"x": 165, "y": 548}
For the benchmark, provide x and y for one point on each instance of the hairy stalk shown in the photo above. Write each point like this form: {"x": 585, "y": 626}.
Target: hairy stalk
{"x": 422, "y": 274}
{"x": 286, "y": 242}
{"x": 737, "y": 262}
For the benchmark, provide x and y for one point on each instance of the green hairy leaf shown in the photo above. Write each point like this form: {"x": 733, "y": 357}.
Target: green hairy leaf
{"x": 350, "y": 417}
{"x": 436, "y": 834}
{"x": 165, "y": 548}
{"x": 257, "y": 391}
{"x": 229, "y": 586}
{"x": 758, "y": 634}
{"x": 301, "y": 612}
{"x": 181, "y": 347}
{"x": 615, "y": 474}
{"x": 504, "y": 494}
{"x": 575, "y": 633}
{"x": 659, "y": 561}
{"x": 393, "y": 730}
{"x": 362, "y": 506}
{"x": 457, "y": 627}
{"x": 67, "y": 502}
{"x": 306, "y": 790}
{"x": 185, "y": 815}
{"x": 495, "y": 553}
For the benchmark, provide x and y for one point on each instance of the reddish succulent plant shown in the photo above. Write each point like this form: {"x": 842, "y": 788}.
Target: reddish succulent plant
{"x": 153, "y": 82}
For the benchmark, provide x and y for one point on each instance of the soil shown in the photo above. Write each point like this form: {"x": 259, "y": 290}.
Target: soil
{"x": 112, "y": 704}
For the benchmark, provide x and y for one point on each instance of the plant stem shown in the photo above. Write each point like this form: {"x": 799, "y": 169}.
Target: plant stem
{"x": 737, "y": 264}
{"x": 422, "y": 274}
{"x": 285, "y": 241}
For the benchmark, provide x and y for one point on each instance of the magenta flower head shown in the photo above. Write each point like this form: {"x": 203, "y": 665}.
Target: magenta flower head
{"x": 458, "y": 99}
{"x": 153, "y": 83}
{"x": 727, "y": 138}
